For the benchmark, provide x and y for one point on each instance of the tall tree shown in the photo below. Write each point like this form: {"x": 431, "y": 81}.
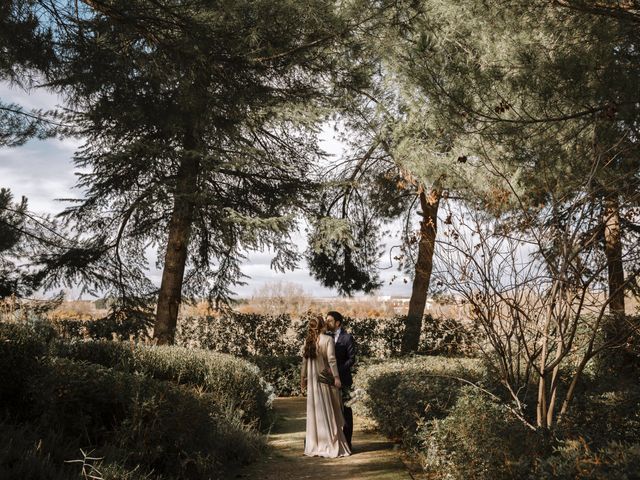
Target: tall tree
{"x": 550, "y": 89}
{"x": 28, "y": 53}
{"x": 199, "y": 121}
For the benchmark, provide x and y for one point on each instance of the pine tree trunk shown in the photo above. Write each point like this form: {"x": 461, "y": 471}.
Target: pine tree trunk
{"x": 424, "y": 267}
{"x": 177, "y": 245}
{"x": 613, "y": 252}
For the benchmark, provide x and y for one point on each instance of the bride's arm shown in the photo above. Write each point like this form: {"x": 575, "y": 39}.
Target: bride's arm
{"x": 331, "y": 358}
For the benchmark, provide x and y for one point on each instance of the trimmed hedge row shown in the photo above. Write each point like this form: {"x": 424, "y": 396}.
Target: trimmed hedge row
{"x": 249, "y": 335}
{"x": 457, "y": 431}
{"x": 154, "y": 415}
{"x": 234, "y": 382}
{"x": 399, "y": 394}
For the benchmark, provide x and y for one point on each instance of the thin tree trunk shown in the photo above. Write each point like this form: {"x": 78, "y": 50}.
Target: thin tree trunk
{"x": 613, "y": 251}
{"x": 177, "y": 245}
{"x": 424, "y": 267}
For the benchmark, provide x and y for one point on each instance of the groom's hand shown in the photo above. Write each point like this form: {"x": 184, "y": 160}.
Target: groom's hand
{"x": 338, "y": 383}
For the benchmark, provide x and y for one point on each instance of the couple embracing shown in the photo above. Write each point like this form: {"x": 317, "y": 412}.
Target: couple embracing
{"x": 329, "y": 354}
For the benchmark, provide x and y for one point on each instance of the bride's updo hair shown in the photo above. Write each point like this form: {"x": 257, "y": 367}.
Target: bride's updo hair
{"x": 316, "y": 323}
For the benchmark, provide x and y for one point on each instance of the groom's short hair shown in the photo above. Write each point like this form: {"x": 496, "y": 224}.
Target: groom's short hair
{"x": 337, "y": 316}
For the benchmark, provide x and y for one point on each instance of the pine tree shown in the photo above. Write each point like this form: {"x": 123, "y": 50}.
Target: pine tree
{"x": 27, "y": 53}
{"x": 543, "y": 94}
{"x": 199, "y": 121}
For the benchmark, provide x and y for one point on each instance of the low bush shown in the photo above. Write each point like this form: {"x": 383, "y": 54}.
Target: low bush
{"x": 27, "y": 454}
{"x": 232, "y": 381}
{"x": 21, "y": 349}
{"x": 479, "y": 438}
{"x": 115, "y": 326}
{"x": 401, "y": 394}
{"x": 239, "y": 334}
{"x": 604, "y": 412}
{"x": 382, "y": 337}
{"x": 574, "y": 459}
{"x": 155, "y": 413}
{"x": 162, "y": 427}
{"x": 283, "y": 373}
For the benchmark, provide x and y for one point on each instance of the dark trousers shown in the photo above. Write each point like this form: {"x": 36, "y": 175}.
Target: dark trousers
{"x": 348, "y": 424}
{"x": 347, "y": 413}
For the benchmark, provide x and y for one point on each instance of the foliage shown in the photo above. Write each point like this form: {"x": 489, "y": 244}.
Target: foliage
{"x": 382, "y": 337}
{"x": 159, "y": 425}
{"x": 281, "y": 372}
{"x": 234, "y": 383}
{"x": 239, "y": 334}
{"x": 574, "y": 459}
{"x": 400, "y": 394}
{"x": 479, "y": 438}
{"x": 21, "y": 351}
{"x": 115, "y": 325}
{"x": 264, "y": 335}
{"x": 158, "y": 413}
{"x": 459, "y": 431}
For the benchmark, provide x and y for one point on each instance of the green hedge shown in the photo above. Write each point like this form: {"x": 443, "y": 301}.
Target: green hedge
{"x": 166, "y": 428}
{"x": 232, "y": 381}
{"x": 282, "y": 373}
{"x": 458, "y": 431}
{"x": 400, "y": 394}
{"x": 248, "y": 335}
{"x": 159, "y": 413}
{"x": 478, "y": 438}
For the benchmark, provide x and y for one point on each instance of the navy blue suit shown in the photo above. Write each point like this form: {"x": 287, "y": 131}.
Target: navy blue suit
{"x": 346, "y": 358}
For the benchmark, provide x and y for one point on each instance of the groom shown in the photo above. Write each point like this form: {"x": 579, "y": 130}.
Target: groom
{"x": 346, "y": 358}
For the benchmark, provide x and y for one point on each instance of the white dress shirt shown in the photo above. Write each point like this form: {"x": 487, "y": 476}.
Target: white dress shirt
{"x": 336, "y": 334}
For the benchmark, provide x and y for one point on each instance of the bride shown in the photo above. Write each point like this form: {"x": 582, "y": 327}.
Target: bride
{"x": 325, "y": 437}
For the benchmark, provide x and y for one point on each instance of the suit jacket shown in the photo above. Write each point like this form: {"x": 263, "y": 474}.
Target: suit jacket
{"x": 346, "y": 357}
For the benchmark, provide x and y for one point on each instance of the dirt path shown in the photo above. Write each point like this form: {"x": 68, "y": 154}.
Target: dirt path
{"x": 374, "y": 457}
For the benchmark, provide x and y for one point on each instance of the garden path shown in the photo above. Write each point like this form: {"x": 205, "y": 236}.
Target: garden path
{"x": 374, "y": 457}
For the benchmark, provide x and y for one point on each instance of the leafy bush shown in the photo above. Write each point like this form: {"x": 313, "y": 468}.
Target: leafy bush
{"x": 267, "y": 335}
{"x": 21, "y": 348}
{"x": 133, "y": 324}
{"x": 401, "y": 394}
{"x": 574, "y": 459}
{"x": 479, "y": 438}
{"x": 163, "y": 427}
{"x": 232, "y": 381}
{"x": 283, "y": 373}
{"x": 605, "y": 412}
{"x": 240, "y": 334}
{"x": 161, "y": 413}
{"x": 25, "y": 454}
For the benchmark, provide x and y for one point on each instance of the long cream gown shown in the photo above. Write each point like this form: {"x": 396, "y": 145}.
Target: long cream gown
{"x": 325, "y": 437}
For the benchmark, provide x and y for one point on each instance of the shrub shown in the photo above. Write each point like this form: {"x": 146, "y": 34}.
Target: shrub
{"x": 118, "y": 325}
{"x": 232, "y": 381}
{"x": 240, "y": 334}
{"x": 283, "y": 373}
{"x": 480, "y": 439}
{"x": 279, "y": 335}
{"x": 605, "y": 412}
{"x": 25, "y": 454}
{"x": 575, "y": 460}
{"x": 400, "y": 394}
{"x": 21, "y": 348}
{"x": 131, "y": 420}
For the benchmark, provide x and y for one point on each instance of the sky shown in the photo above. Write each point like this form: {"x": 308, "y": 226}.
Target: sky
{"x": 43, "y": 172}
